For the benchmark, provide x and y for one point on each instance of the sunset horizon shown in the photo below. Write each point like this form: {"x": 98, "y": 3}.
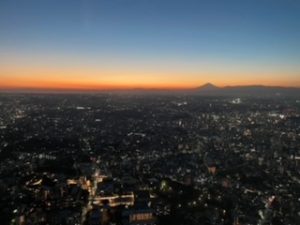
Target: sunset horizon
{"x": 95, "y": 88}
{"x": 38, "y": 78}
{"x": 82, "y": 86}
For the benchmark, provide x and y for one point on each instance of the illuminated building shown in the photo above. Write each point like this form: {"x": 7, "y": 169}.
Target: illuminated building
{"x": 141, "y": 216}
{"x": 115, "y": 200}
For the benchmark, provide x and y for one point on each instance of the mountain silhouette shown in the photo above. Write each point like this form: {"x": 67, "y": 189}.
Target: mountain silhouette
{"x": 250, "y": 90}
{"x": 208, "y": 87}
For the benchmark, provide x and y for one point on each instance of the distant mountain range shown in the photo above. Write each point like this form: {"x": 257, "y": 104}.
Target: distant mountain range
{"x": 206, "y": 89}
{"x": 253, "y": 90}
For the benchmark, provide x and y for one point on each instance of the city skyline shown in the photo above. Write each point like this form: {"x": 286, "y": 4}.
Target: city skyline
{"x": 96, "y": 45}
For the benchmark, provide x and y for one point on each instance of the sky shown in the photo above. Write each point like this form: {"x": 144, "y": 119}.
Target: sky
{"x": 120, "y": 44}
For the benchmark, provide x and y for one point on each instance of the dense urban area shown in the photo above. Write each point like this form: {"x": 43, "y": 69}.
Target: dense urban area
{"x": 121, "y": 158}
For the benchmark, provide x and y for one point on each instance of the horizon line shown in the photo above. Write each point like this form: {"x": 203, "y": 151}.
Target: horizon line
{"x": 116, "y": 89}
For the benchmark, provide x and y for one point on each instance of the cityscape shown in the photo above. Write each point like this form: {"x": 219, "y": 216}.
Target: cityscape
{"x": 132, "y": 158}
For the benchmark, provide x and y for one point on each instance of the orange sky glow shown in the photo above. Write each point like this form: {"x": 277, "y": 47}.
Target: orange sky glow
{"x": 24, "y": 75}
{"x": 84, "y": 79}
{"x": 127, "y": 82}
